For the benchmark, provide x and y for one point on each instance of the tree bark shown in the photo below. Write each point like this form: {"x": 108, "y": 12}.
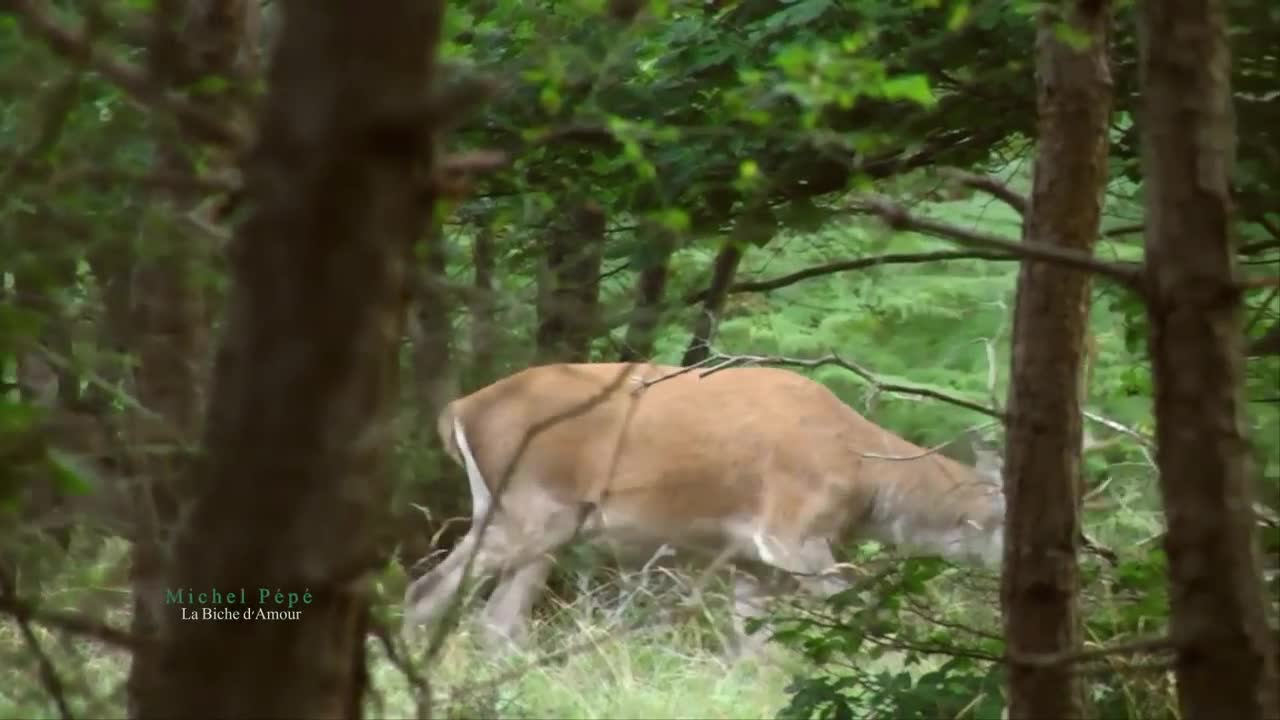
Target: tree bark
{"x": 170, "y": 308}
{"x": 723, "y": 270}
{"x": 1224, "y": 665}
{"x": 292, "y": 483}
{"x": 568, "y": 307}
{"x": 651, "y": 288}
{"x": 1041, "y": 580}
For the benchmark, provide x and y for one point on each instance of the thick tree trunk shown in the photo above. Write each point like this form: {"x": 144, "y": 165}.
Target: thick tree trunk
{"x": 568, "y": 307}
{"x": 293, "y": 482}
{"x": 1225, "y": 666}
{"x": 169, "y": 314}
{"x": 1041, "y": 581}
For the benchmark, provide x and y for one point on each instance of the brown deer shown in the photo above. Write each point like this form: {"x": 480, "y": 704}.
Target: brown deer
{"x": 760, "y": 467}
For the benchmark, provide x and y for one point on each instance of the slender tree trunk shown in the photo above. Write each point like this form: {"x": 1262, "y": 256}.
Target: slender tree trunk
{"x": 723, "y": 271}
{"x": 1225, "y": 664}
{"x": 568, "y": 308}
{"x": 293, "y": 483}
{"x": 651, "y": 288}
{"x": 1041, "y": 581}
{"x": 754, "y": 227}
{"x": 484, "y": 329}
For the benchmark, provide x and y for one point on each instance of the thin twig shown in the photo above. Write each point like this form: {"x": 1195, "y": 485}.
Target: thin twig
{"x": 719, "y": 361}
{"x": 932, "y": 450}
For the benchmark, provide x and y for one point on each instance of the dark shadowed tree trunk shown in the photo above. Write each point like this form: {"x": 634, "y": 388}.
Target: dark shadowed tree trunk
{"x": 651, "y": 288}
{"x": 723, "y": 270}
{"x": 1041, "y": 580}
{"x": 1225, "y": 665}
{"x": 169, "y": 312}
{"x": 569, "y": 296}
{"x": 755, "y": 226}
{"x": 484, "y": 330}
{"x": 292, "y": 483}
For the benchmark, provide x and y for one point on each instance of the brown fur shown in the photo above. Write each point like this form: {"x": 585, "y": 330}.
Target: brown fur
{"x": 707, "y": 462}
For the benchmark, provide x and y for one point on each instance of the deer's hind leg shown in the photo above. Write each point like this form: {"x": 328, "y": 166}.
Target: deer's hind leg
{"x": 510, "y": 606}
{"x": 506, "y": 546}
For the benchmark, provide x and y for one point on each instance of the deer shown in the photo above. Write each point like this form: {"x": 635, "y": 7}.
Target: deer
{"x": 761, "y": 468}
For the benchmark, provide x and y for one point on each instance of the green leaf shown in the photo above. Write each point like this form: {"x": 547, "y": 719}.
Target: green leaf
{"x": 549, "y": 98}
{"x": 909, "y": 87}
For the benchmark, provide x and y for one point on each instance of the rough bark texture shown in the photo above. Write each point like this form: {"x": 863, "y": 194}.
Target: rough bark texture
{"x": 568, "y": 307}
{"x": 169, "y": 312}
{"x": 292, "y": 484}
{"x": 1224, "y": 665}
{"x": 1041, "y": 580}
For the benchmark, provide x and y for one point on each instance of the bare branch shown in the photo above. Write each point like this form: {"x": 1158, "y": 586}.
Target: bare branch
{"x": 897, "y": 217}
{"x": 38, "y": 20}
{"x": 1257, "y": 248}
{"x": 720, "y": 361}
{"x": 846, "y": 265}
{"x": 1142, "y": 438}
{"x": 1124, "y": 230}
{"x": 1259, "y": 283}
{"x": 1159, "y": 644}
{"x": 75, "y": 624}
{"x": 989, "y": 185}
